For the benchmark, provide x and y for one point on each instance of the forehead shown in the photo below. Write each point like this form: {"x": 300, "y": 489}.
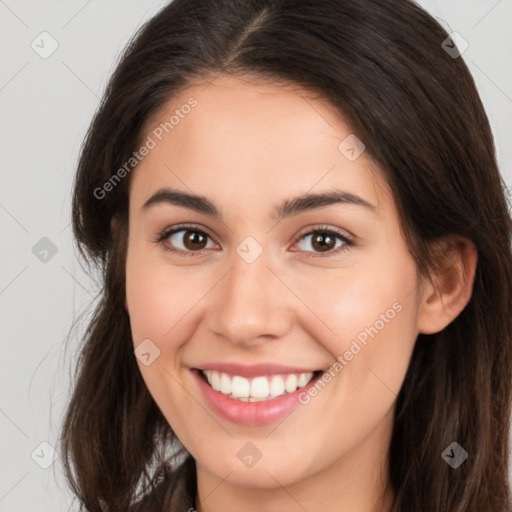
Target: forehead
{"x": 250, "y": 143}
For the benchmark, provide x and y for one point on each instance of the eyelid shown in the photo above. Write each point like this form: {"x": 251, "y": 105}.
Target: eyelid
{"x": 347, "y": 239}
{"x": 324, "y": 227}
{"x": 167, "y": 232}
{"x": 183, "y": 227}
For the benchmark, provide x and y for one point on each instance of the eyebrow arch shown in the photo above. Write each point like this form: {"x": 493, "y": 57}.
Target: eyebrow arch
{"x": 288, "y": 208}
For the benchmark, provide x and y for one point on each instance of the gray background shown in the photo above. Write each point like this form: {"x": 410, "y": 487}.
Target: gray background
{"x": 46, "y": 106}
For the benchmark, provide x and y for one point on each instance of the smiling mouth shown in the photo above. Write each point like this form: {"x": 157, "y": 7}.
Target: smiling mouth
{"x": 257, "y": 389}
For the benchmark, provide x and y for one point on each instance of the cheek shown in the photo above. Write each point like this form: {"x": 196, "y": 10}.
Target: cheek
{"x": 373, "y": 316}
{"x": 368, "y": 318}
{"x": 160, "y": 307}
{"x": 158, "y": 295}
{"x": 354, "y": 299}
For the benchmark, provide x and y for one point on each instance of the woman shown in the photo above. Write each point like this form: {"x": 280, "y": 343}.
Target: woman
{"x": 305, "y": 245}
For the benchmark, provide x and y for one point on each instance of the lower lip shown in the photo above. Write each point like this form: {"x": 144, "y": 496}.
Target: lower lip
{"x": 251, "y": 413}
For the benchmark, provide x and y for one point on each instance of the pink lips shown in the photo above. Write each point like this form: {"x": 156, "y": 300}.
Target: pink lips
{"x": 251, "y": 413}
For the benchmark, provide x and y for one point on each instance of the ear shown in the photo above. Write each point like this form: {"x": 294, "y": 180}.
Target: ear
{"x": 448, "y": 291}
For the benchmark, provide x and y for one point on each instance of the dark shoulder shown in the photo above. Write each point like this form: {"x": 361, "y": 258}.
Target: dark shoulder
{"x": 175, "y": 493}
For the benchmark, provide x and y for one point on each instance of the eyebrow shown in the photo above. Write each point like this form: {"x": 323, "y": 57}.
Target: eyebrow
{"x": 287, "y": 208}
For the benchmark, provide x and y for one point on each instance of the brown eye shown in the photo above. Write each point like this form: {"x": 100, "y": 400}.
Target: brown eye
{"x": 194, "y": 240}
{"x": 190, "y": 241}
{"x": 187, "y": 240}
{"x": 325, "y": 241}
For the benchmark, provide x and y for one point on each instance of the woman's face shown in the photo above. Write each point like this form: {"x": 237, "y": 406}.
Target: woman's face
{"x": 264, "y": 287}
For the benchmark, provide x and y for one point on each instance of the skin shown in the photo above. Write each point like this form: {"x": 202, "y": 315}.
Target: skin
{"x": 247, "y": 147}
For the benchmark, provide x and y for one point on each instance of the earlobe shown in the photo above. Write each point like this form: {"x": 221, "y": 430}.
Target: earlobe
{"x": 449, "y": 290}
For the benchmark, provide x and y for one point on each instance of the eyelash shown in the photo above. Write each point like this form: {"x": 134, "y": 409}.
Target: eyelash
{"x": 162, "y": 237}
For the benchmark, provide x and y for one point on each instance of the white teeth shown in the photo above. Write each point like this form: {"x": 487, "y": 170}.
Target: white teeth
{"x": 291, "y": 383}
{"x": 215, "y": 381}
{"x": 240, "y": 387}
{"x": 225, "y": 384}
{"x": 256, "y": 389}
{"x": 277, "y": 386}
{"x": 303, "y": 380}
{"x": 259, "y": 387}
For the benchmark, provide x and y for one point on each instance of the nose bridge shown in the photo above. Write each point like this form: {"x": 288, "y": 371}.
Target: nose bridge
{"x": 251, "y": 301}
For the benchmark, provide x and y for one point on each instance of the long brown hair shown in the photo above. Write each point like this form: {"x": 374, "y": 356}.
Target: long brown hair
{"x": 381, "y": 65}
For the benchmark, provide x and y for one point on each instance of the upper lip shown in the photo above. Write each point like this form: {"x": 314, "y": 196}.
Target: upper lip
{"x": 255, "y": 370}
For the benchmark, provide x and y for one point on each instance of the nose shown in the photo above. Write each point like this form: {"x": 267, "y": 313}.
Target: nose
{"x": 250, "y": 304}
